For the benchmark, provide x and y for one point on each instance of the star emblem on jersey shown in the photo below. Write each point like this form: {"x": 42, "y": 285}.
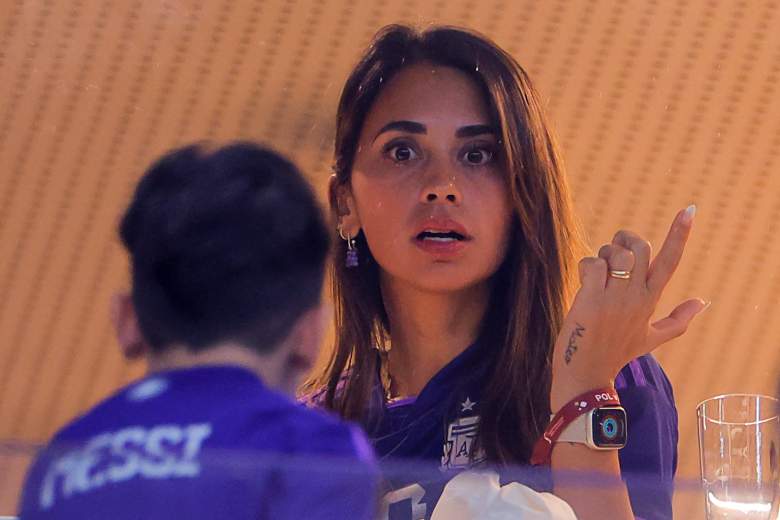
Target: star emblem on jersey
{"x": 467, "y": 405}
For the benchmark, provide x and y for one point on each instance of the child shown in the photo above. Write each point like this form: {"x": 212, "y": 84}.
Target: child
{"x": 227, "y": 248}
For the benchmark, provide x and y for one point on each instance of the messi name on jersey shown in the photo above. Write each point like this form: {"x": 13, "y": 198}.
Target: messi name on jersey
{"x": 158, "y": 452}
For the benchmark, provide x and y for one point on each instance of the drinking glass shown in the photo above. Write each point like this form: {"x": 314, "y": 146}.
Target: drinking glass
{"x": 738, "y": 442}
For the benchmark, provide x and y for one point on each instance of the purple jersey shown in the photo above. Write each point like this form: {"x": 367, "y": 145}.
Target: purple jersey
{"x": 440, "y": 425}
{"x": 206, "y": 442}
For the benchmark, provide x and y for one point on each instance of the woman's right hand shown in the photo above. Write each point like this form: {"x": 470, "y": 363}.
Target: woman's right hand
{"x": 607, "y": 326}
{"x": 609, "y": 323}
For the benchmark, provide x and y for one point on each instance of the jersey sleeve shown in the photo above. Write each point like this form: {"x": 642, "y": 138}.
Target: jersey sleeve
{"x": 649, "y": 460}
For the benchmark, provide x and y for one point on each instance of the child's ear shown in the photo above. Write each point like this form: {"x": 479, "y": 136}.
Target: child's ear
{"x": 342, "y": 203}
{"x": 302, "y": 347}
{"x": 128, "y": 333}
{"x": 309, "y": 332}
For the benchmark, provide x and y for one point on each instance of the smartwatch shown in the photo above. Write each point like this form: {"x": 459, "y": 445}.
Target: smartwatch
{"x": 594, "y": 418}
{"x": 602, "y": 428}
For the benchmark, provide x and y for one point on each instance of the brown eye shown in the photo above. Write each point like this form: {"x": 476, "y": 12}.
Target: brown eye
{"x": 478, "y": 156}
{"x": 402, "y": 153}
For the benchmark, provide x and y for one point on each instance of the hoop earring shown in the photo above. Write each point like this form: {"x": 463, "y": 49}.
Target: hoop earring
{"x": 352, "y": 252}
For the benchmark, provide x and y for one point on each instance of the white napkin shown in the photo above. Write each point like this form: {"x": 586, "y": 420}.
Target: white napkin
{"x": 475, "y": 495}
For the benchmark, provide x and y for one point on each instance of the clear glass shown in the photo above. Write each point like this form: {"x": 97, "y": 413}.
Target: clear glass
{"x": 738, "y": 438}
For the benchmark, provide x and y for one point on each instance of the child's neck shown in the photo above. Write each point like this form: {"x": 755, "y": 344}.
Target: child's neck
{"x": 269, "y": 368}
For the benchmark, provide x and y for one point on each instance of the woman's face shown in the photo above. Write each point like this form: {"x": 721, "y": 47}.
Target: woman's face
{"x": 428, "y": 187}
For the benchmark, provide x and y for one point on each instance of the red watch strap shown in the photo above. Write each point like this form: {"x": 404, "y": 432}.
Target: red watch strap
{"x": 578, "y": 406}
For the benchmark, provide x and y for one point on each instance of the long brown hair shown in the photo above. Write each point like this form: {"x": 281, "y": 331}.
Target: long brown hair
{"x": 535, "y": 280}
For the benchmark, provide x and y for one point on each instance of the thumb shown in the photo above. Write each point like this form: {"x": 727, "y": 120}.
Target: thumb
{"x": 676, "y": 323}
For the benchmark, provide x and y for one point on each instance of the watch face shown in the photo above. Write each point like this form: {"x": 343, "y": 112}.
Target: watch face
{"x": 609, "y": 427}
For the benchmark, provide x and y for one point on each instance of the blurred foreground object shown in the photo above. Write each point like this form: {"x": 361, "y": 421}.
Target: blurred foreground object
{"x": 476, "y": 495}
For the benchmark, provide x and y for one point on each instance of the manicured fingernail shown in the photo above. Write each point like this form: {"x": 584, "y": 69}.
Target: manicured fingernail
{"x": 689, "y": 213}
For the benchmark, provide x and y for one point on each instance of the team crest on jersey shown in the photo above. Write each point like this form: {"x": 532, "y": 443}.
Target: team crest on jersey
{"x": 460, "y": 443}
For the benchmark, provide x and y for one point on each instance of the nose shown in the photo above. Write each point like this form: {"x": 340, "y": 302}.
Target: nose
{"x": 441, "y": 188}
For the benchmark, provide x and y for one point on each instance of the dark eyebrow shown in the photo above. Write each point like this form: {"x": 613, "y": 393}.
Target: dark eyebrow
{"x": 475, "y": 130}
{"x": 411, "y": 127}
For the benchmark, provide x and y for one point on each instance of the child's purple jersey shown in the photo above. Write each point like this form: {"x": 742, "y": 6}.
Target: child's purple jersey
{"x": 440, "y": 424}
{"x": 206, "y": 442}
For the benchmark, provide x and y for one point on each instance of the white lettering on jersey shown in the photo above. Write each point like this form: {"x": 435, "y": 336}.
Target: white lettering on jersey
{"x": 160, "y": 452}
{"x": 122, "y": 447}
{"x": 188, "y": 465}
{"x": 160, "y": 462}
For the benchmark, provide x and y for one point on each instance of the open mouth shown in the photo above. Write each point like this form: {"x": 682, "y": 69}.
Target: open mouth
{"x": 440, "y": 236}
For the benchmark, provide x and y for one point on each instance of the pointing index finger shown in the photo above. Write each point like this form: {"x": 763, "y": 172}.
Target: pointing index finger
{"x": 668, "y": 258}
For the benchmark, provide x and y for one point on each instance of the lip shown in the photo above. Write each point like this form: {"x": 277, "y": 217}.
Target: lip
{"x": 443, "y": 225}
{"x": 442, "y": 250}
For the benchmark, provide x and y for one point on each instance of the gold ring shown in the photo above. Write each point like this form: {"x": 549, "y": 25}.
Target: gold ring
{"x": 623, "y": 275}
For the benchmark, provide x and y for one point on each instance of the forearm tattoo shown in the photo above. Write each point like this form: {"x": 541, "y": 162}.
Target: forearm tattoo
{"x": 571, "y": 348}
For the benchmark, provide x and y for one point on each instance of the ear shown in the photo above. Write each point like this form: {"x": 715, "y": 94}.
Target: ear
{"x": 308, "y": 333}
{"x": 342, "y": 202}
{"x": 125, "y": 321}
{"x": 300, "y": 349}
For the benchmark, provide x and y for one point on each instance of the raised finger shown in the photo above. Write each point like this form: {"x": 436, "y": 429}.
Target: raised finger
{"x": 668, "y": 258}
{"x": 642, "y": 253}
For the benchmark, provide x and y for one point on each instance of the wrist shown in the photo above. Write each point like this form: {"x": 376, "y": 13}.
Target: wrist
{"x": 594, "y": 418}
{"x": 566, "y": 386}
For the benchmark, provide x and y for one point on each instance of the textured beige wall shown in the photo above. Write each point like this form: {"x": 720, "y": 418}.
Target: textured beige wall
{"x": 658, "y": 104}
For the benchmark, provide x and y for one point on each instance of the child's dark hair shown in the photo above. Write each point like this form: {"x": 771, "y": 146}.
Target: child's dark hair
{"x": 226, "y": 244}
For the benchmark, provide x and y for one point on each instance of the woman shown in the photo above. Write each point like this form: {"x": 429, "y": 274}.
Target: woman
{"x": 453, "y": 341}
